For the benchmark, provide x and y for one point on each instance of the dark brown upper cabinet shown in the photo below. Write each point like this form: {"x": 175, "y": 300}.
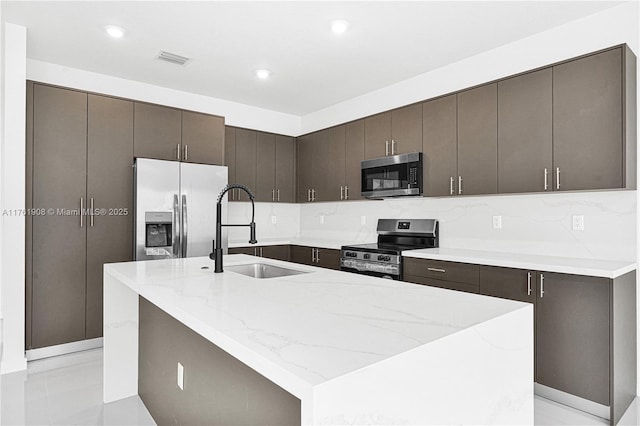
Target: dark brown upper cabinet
{"x": 265, "y": 167}
{"x": 525, "y": 142}
{"x": 590, "y": 119}
{"x": 393, "y": 132}
{"x": 157, "y": 132}
{"x": 285, "y": 169}
{"x": 245, "y": 170}
{"x": 305, "y": 163}
{"x": 330, "y": 182}
{"x": 440, "y": 146}
{"x": 478, "y": 140}
{"x": 230, "y": 157}
{"x": 166, "y": 133}
{"x": 202, "y": 138}
{"x": 354, "y": 154}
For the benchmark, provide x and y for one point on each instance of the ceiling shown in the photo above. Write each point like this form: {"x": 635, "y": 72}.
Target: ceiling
{"x": 312, "y": 68}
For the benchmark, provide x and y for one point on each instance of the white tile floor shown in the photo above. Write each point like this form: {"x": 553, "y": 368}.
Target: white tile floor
{"x": 67, "y": 390}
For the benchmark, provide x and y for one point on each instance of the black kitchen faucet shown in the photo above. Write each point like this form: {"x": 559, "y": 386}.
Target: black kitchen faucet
{"x": 217, "y": 251}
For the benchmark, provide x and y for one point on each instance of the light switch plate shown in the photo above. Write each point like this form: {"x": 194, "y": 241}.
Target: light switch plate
{"x": 363, "y": 220}
{"x": 273, "y": 219}
{"x": 321, "y": 219}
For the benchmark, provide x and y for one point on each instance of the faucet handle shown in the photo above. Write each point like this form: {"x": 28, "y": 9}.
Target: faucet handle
{"x": 212, "y": 255}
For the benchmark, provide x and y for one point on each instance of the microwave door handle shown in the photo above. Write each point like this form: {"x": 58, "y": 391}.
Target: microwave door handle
{"x": 176, "y": 225}
{"x": 185, "y": 232}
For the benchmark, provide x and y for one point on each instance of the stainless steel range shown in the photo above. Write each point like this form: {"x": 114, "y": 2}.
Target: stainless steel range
{"x": 384, "y": 258}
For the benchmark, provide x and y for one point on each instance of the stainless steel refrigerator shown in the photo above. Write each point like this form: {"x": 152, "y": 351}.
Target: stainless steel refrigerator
{"x": 175, "y": 208}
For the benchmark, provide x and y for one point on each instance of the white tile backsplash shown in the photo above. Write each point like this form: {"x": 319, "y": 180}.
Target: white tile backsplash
{"x": 531, "y": 223}
{"x": 286, "y": 226}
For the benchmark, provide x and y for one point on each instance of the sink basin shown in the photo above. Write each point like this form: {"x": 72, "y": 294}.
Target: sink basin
{"x": 262, "y": 270}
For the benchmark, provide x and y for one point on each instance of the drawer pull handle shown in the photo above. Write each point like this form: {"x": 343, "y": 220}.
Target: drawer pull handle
{"x": 437, "y": 270}
{"x": 541, "y": 286}
{"x": 528, "y": 283}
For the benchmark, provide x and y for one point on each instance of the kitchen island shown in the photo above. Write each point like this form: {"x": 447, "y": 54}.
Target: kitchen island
{"x": 343, "y": 348}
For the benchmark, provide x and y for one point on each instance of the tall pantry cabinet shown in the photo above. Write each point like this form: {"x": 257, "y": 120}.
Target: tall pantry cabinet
{"x": 79, "y": 192}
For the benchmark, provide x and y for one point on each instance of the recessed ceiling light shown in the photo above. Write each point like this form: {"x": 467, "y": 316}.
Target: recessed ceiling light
{"x": 115, "y": 32}
{"x": 263, "y": 74}
{"x": 339, "y": 26}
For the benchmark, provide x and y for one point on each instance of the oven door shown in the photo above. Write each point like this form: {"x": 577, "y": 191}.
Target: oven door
{"x": 373, "y": 269}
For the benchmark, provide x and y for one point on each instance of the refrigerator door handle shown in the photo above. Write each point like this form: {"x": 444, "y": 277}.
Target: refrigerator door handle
{"x": 184, "y": 226}
{"x": 176, "y": 226}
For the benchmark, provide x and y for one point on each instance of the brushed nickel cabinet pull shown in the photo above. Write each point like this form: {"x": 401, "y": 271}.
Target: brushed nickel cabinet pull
{"x": 451, "y": 190}
{"x": 341, "y": 192}
{"x": 81, "y": 212}
{"x": 393, "y": 147}
{"x": 313, "y": 195}
{"x": 541, "y": 286}
{"x": 273, "y": 195}
{"x": 528, "y": 283}
{"x": 308, "y": 194}
{"x": 557, "y": 177}
{"x": 278, "y": 194}
{"x": 313, "y": 255}
{"x": 546, "y": 179}
{"x": 437, "y": 270}
{"x": 346, "y": 192}
{"x": 178, "y": 152}
{"x": 91, "y": 212}
{"x": 386, "y": 147}
{"x": 317, "y": 255}
{"x": 459, "y": 184}
{"x": 186, "y": 152}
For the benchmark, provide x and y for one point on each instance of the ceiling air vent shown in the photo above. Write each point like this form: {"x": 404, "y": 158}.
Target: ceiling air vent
{"x": 173, "y": 58}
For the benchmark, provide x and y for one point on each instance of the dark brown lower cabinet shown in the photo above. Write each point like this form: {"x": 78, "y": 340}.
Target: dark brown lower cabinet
{"x": 218, "y": 389}
{"x": 323, "y": 257}
{"x": 277, "y": 252}
{"x": 443, "y": 274}
{"x": 585, "y": 331}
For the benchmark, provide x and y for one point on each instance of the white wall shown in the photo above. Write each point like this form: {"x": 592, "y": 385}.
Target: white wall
{"x": 13, "y": 197}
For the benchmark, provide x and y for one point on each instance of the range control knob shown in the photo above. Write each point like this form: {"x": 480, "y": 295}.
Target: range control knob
{"x": 384, "y": 257}
{"x": 351, "y": 254}
{"x": 366, "y": 256}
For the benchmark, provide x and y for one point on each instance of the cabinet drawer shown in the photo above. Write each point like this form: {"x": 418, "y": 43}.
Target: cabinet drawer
{"x": 508, "y": 283}
{"x": 450, "y": 285}
{"x": 442, "y": 270}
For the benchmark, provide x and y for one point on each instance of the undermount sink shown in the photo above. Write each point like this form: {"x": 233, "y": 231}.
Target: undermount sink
{"x": 262, "y": 270}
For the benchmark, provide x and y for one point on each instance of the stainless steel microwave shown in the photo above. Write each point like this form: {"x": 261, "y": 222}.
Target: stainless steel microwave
{"x": 392, "y": 176}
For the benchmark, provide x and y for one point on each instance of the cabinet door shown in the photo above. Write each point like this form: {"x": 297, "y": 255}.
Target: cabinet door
{"x": 304, "y": 167}
{"x": 230, "y": 158}
{"x": 440, "y": 146}
{"x": 587, "y": 122}
{"x": 265, "y": 189}
{"x": 280, "y": 252}
{"x": 508, "y": 283}
{"x": 354, "y": 154}
{"x": 285, "y": 168}
{"x": 328, "y": 258}
{"x": 406, "y": 129}
{"x": 478, "y": 140}
{"x": 245, "y": 161}
{"x": 110, "y": 186}
{"x": 202, "y": 138}
{"x": 157, "y": 132}
{"x": 302, "y": 254}
{"x": 525, "y": 133}
{"x": 377, "y": 135}
{"x": 329, "y": 165}
{"x": 242, "y": 250}
{"x": 572, "y": 335}
{"x": 59, "y": 240}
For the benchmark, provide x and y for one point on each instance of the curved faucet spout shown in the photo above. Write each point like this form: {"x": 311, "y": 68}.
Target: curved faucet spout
{"x": 217, "y": 252}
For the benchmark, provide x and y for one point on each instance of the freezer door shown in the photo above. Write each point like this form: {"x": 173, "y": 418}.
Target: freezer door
{"x": 157, "y": 190}
{"x": 200, "y": 185}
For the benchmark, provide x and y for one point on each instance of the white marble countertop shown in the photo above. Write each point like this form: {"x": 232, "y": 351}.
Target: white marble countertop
{"x": 566, "y": 265}
{"x": 305, "y": 330}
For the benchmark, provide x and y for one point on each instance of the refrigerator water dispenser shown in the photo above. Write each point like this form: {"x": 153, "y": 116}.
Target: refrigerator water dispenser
{"x": 158, "y": 233}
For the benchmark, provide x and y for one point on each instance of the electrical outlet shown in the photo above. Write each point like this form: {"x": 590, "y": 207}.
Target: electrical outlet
{"x": 497, "y": 222}
{"x": 577, "y": 222}
{"x": 180, "y": 376}
{"x": 321, "y": 219}
{"x": 363, "y": 220}
{"x": 273, "y": 220}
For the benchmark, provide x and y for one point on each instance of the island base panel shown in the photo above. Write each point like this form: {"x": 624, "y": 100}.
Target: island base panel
{"x": 218, "y": 389}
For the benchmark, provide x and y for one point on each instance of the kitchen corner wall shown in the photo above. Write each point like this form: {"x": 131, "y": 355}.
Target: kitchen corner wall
{"x": 531, "y": 223}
